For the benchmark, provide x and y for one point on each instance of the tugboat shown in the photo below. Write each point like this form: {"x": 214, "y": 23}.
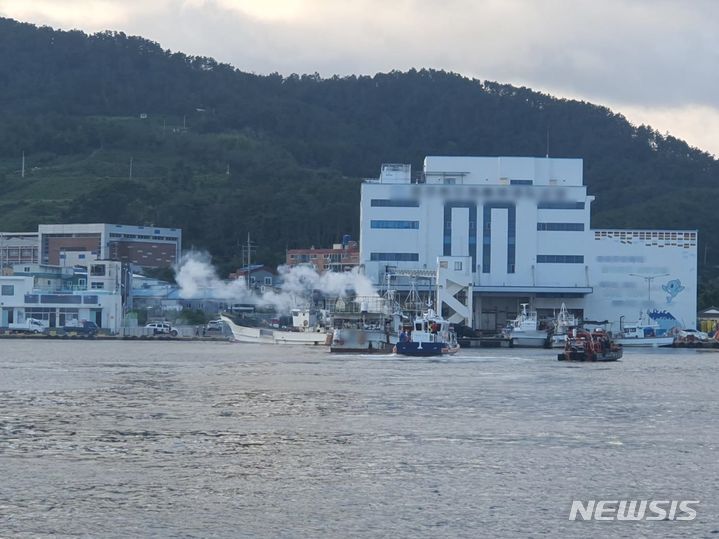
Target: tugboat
{"x": 583, "y": 345}
{"x": 429, "y": 335}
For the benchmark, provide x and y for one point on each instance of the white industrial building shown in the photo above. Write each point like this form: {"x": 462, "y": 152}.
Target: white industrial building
{"x": 509, "y": 230}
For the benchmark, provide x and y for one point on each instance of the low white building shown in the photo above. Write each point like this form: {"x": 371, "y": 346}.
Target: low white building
{"x": 58, "y": 295}
{"x": 518, "y": 229}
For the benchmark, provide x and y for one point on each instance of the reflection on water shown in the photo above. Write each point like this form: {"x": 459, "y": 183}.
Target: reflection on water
{"x": 216, "y": 439}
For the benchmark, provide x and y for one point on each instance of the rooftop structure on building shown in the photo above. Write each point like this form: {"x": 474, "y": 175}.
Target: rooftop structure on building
{"x": 144, "y": 246}
{"x": 18, "y": 248}
{"x": 511, "y": 230}
{"x": 71, "y": 244}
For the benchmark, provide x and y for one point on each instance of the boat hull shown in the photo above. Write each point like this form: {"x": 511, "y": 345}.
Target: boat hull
{"x": 425, "y": 349}
{"x": 579, "y": 355}
{"x": 646, "y": 342}
{"x": 529, "y": 340}
{"x": 362, "y": 341}
{"x": 272, "y": 336}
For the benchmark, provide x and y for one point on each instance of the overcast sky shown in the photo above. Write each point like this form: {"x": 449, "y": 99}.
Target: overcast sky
{"x": 655, "y": 61}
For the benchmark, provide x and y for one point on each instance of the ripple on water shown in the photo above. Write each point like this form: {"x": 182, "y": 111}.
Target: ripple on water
{"x": 206, "y": 439}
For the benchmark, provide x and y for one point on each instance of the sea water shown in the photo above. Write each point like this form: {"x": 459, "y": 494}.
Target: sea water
{"x": 173, "y": 439}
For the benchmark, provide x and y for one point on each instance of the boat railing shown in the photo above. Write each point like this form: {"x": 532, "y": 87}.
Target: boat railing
{"x": 370, "y": 305}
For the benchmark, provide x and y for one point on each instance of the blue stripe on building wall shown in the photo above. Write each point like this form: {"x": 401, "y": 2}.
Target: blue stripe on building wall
{"x": 394, "y": 203}
{"x": 560, "y": 259}
{"x": 561, "y": 205}
{"x": 577, "y": 227}
{"x": 412, "y": 225}
{"x": 487, "y": 235}
{"x": 472, "y": 241}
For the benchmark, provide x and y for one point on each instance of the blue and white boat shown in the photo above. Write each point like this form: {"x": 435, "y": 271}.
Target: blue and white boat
{"x": 430, "y": 335}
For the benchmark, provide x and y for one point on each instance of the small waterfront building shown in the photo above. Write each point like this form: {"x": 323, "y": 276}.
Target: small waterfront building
{"x": 258, "y": 277}
{"x": 512, "y": 230}
{"x": 341, "y": 257}
{"x": 57, "y": 295}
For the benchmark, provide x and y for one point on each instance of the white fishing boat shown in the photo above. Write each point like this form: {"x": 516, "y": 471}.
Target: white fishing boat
{"x": 306, "y": 330}
{"x": 525, "y": 330}
{"x": 564, "y": 321}
{"x": 643, "y": 332}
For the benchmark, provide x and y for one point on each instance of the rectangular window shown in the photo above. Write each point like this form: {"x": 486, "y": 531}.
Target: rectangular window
{"x": 268, "y": 281}
{"x": 57, "y": 298}
{"x": 97, "y": 286}
{"x": 569, "y": 205}
{"x": 394, "y": 203}
{"x": 560, "y": 259}
{"x": 521, "y": 182}
{"x": 457, "y": 266}
{"x": 577, "y": 227}
{"x": 394, "y": 257}
{"x": 7, "y": 290}
{"x": 97, "y": 270}
{"x": 412, "y": 225}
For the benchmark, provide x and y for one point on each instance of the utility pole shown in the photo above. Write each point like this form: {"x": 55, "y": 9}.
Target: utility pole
{"x": 22, "y": 172}
{"x": 247, "y": 257}
{"x": 649, "y": 279}
{"x": 130, "y": 167}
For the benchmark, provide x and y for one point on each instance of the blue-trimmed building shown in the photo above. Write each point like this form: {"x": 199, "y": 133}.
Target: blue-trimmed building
{"x": 517, "y": 229}
{"x": 59, "y": 296}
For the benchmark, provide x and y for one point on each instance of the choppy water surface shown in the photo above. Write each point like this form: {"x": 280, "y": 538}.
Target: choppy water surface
{"x": 224, "y": 440}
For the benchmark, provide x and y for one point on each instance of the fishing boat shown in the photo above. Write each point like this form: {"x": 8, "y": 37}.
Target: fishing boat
{"x": 429, "y": 335}
{"x": 525, "y": 330}
{"x": 306, "y": 330}
{"x": 564, "y": 321}
{"x": 365, "y": 325}
{"x": 583, "y": 345}
{"x": 643, "y": 332}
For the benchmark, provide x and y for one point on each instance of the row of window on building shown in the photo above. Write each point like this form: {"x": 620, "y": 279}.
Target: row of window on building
{"x": 414, "y": 203}
{"x": 414, "y": 257}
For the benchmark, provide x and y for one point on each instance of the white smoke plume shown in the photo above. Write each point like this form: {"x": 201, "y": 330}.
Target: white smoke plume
{"x": 197, "y": 278}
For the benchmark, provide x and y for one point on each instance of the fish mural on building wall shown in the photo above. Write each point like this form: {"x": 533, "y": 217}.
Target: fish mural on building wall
{"x": 672, "y": 288}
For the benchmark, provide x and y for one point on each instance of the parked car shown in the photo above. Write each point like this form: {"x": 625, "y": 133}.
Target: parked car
{"x": 81, "y": 327}
{"x": 30, "y": 325}
{"x": 162, "y": 328}
{"x": 215, "y": 325}
{"x": 691, "y": 335}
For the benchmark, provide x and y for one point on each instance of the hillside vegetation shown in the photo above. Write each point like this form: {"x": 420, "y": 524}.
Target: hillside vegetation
{"x": 220, "y": 153}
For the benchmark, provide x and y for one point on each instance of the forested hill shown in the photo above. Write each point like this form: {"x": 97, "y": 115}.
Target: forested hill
{"x": 222, "y": 153}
